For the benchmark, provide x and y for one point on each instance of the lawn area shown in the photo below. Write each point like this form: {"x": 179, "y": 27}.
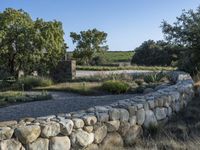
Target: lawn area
{"x": 104, "y": 68}
{"x": 13, "y": 97}
{"x": 115, "y": 56}
{"x": 83, "y": 88}
{"x": 118, "y": 56}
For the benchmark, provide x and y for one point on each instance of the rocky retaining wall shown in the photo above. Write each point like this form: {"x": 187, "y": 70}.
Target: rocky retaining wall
{"x": 99, "y": 127}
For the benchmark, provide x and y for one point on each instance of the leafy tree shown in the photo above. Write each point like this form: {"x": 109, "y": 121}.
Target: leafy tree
{"x": 151, "y": 53}
{"x": 186, "y": 32}
{"x": 16, "y": 38}
{"x": 87, "y": 44}
{"x": 29, "y": 45}
{"x": 49, "y": 41}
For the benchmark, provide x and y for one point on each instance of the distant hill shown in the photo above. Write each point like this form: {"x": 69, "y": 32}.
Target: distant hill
{"x": 117, "y": 56}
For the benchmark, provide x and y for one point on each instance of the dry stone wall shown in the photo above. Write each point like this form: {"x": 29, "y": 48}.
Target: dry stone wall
{"x": 99, "y": 127}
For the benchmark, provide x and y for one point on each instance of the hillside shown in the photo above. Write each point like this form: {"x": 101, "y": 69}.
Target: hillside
{"x": 116, "y": 56}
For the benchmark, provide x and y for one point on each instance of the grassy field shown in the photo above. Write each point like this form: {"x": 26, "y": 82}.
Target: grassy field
{"x": 116, "y": 56}
{"x": 105, "y": 68}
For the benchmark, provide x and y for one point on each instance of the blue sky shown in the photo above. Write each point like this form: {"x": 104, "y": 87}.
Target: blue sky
{"x": 127, "y": 22}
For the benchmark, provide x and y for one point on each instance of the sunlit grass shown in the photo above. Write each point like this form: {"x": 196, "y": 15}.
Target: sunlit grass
{"x": 105, "y": 68}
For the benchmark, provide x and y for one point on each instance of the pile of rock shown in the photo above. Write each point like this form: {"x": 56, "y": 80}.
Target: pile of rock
{"x": 99, "y": 127}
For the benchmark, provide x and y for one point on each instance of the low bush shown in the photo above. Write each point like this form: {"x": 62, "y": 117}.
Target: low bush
{"x": 101, "y": 77}
{"x": 28, "y": 82}
{"x": 105, "y": 68}
{"x": 155, "y": 77}
{"x": 11, "y": 97}
{"x": 115, "y": 86}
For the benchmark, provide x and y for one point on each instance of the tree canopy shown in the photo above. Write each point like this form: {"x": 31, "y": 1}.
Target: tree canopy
{"x": 29, "y": 45}
{"x": 160, "y": 53}
{"x": 186, "y": 32}
{"x": 87, "y": 44}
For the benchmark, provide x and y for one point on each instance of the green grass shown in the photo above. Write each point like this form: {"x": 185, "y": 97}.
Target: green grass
{"x": 115, "y": 86}
{"x": 83, "y": 88}
{"x": 103, "y": 68}
{"x": 13, "y": 97}
{"x": 116, "y": 56}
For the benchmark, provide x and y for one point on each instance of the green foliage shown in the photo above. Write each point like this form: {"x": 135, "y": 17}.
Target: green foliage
{"x": 101, "y": 77}
{"x": 11, "y": 97}
{"x": 29, "y": 45}
{"x": 105, "y": 68}
{"x": 118, "y": 56}
{"x": 87, "y": 44}
{"x": 113, "y": 56}
{"x": 29, "y": 82}
{"x": 59, "y": 73}
{"x": 154, "y": 77}
{"x": 152, "y": 53}
{"x": 185, "y": 31}
{"x": 98, "y": 60}
{"x": 115, "y": 86}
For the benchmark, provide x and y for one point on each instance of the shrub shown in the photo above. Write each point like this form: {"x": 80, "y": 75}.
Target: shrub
{"x": 98, "y": 60}
{"x": 155, "y": 77}
{"x": 10, "y": 97}
{"x": 29, "y": 82}
{"x": 115, "y": 86}
{"x": 151, "y": 53}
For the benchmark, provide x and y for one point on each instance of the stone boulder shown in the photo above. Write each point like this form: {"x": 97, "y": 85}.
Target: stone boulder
{"x": 114, "y": 114}
{"x": 92, "y": 147}
{"x": 160, "y": 113}
{"x": 102, "y": 117}
{"x": 39, "y": 144}
{"x": 113, "y": 125}
{"x": 150, "y": 118}
{"x": 124, "y": 115}
{"x": 59, "y": 143}
{"x": 66, "y": 127}
{"x": 78, "y": 123}
{"x": 82, "y": 138}
{"x": 112, "y": 141}
{"x": 50, "y": 129}
{"x": 90, "y": 120}
{"x": 8, "y": 123}
{"x": 88, "y": 128}
{"x": 100, "y": 133}
{"x": 124, "y": 127}
{"x": 132, "y": 120}
{"x": 5, "y": 133}
{"x": 140, "y": 116}
{"x": 28, "y": 134}
{"x": 11, "y": 144}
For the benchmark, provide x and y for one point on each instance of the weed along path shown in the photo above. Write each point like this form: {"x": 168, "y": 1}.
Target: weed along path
{"x": 61, "y": 103}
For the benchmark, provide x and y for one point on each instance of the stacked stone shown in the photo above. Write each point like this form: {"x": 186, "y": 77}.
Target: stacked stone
{"x": 99, "y": 127}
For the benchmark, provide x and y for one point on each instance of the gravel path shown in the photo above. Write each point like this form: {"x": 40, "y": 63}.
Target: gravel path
{"x": 64, "y": 102}
{"x": 61, "y": 103}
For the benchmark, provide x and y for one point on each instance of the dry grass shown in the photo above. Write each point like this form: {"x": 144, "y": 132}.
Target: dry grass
{"x": 84, "y": 88}
{"x": 106, "y": 68}
{"x": 182, "y": 132}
